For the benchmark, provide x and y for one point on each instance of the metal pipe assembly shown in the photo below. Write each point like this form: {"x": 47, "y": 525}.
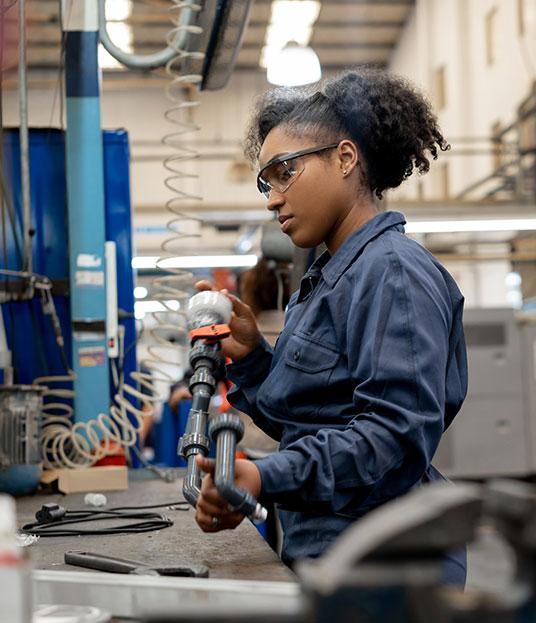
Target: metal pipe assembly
{"x": 208, "y": 366}
{"x": 227, "y": 430}
{"x": 208, "y": 314}
{"x": 158, "y": 59}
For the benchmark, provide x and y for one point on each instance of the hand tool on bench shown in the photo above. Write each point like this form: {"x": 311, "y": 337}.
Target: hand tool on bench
{"x": 100, "y": 562}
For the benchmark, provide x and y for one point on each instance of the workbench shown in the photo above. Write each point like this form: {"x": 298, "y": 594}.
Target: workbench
{"x": 240, "y": 554}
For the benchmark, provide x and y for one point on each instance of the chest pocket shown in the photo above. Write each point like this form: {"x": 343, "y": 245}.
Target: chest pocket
{"x": 304, "y": 354}
{"x": 298, "y": 385}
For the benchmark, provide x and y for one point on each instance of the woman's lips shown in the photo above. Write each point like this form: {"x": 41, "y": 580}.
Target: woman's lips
{"x": 286, "y": 222}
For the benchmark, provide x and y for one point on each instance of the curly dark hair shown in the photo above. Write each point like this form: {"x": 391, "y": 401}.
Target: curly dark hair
{"x": 390, "y": 121}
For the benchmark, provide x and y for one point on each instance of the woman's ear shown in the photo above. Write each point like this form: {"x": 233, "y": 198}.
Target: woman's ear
{"x": 348, "y": 156}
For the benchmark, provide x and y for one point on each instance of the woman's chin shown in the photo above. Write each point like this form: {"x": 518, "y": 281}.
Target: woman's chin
{"x": 302, "y": 240}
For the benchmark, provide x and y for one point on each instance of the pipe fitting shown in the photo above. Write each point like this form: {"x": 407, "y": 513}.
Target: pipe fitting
{"x": 226, "y": 430}
{"x": 226, "y": 421}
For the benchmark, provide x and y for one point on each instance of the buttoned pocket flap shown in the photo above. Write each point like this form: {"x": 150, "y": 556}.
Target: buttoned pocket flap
{"x": 309, "y": 356}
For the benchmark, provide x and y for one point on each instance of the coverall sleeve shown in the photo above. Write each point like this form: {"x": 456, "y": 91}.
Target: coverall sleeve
{"x": 397, "y": 346}
{"x": 247, "y": 376}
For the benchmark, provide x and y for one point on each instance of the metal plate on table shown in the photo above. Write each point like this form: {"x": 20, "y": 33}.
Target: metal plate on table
{"x": 143, "y": 596}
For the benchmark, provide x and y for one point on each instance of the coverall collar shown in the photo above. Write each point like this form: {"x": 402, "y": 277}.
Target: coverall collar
{"x": 333, "y": 267}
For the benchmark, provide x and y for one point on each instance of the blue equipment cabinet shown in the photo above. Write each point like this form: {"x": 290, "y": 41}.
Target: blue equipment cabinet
{"x": 29, "y": 332}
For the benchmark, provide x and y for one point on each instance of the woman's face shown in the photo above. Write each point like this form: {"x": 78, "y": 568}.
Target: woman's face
{"x": 310, "y": 208}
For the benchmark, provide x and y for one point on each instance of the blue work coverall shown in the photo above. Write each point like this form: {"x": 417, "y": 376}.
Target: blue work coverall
{"x": 367, "y": 373}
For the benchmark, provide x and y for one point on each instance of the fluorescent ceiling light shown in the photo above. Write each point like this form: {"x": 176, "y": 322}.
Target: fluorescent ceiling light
{"x": 483, "y": 225}
{"x": 197, "y": 261}
{"x": 290, "y": 20}
{"x": 295, "y": 65}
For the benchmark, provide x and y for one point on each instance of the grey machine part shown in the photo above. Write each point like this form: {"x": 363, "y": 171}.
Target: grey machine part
{"x": 20, "y": 425}
{"x": 494, "y": 434}
{"x": 275, "y": 245}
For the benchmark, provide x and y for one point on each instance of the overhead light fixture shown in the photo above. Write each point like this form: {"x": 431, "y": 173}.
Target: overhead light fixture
{"x": 117, "y": 11}
{"x": 140, "y": 292}
{"x": 294, "y": 66}
{"x": 481, "y": 225}
{"x": 291, "y": 21}
{"x": 196, "y": 261}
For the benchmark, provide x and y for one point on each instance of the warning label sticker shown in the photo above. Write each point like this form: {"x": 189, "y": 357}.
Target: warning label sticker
{"x": 94, "y": 278}
{"x": 90, "y": 356}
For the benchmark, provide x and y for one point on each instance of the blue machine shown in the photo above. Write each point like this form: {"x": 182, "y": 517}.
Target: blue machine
{"x": 29, "y": 331}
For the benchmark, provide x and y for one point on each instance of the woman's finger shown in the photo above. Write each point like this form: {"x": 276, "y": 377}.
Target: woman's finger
{"x": 203, "y": 285}
{"x": 208, "y": 507}
{"x": 206, "y": 522}
{"x": 212, "y": 496}
{"x": 239, "y": 307}
{"x": 214, "y": 523}
{"x": 207, "y": 465}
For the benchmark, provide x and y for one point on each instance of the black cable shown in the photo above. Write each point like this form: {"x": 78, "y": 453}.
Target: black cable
{"x": 137, "y": 528}
{"x": 134, "y": 342}
{"x": 167, "y": 475}
{"x": 39, "y": 342}
{"x": 13, "y": 342}
{"x": 64, "y": 359}
{"x": 52, "y": 519}
{"x": 180, "y": 505}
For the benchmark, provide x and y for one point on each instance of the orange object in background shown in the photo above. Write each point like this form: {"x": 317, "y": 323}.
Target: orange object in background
{"x": 115, "y": 456}
{"x": 225, "y": 386}
{"x": 224, "y": 279}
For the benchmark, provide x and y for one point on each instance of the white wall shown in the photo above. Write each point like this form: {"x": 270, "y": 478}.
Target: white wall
{"x": 452, "y": 33}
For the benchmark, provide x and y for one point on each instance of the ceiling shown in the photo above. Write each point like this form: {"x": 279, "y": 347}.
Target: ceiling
{"x": 347, "y": 32}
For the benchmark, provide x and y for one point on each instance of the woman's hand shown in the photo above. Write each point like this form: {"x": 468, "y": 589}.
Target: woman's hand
{"x": 212, "y": 511}
{"x": 245, "y": 335}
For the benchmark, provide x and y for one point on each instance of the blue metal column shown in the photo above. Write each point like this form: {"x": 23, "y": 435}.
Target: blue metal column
{"x": 86, "y": 216}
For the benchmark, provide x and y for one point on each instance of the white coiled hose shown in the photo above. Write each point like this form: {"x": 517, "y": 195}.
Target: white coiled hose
{"x": 174, "y": 286}
{"x": 84, "y": 443}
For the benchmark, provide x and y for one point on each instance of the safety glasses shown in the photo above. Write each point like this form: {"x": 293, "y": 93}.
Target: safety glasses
{"x": 280, "y": 173}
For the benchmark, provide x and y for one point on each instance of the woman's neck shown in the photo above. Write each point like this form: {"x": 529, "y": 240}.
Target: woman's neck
{"x": 359, "y": 213}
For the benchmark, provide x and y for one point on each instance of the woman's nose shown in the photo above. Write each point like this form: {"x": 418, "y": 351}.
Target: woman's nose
{"x": 275, "y": 200}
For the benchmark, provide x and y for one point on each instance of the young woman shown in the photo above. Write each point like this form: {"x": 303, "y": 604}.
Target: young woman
{"x": 370, "y": 367}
